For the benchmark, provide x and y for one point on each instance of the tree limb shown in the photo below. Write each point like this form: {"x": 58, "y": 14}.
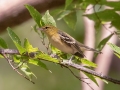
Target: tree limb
{"x": 89, "y": 71}
{"x": 68, "y": 64}
{"x": 15, "y": 13}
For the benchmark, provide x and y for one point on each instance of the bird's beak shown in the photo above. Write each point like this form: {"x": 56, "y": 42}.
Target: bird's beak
{"x": 41, "y": 29}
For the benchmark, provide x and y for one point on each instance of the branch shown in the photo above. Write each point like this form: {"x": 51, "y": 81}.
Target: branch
{"x": 79, "y": 77}
{"x": 9, "y": 51}
{"x": 89, "y": 71}
{"x": 15, "y": 13}
{"x": 66, "y": 63}
{"x": 3, "y": 52}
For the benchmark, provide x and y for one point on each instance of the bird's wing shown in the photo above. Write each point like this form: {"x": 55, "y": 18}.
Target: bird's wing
{"x": 70, "y": 41}
{"x": 83, "y": 47}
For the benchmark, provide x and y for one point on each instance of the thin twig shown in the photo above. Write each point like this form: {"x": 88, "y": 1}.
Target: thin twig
{"x": 9, "y": 61}
{"x": 63, "y": 63}
{"x": 89, "y": 71}
{"x": 9, "y": 51}
{"x": 43, "y": 42}
{"x": 98, "y": 16}
{"x": 78, "y": 77}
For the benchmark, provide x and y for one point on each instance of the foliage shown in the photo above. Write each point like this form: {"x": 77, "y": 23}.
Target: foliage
{"x": 30, "y": 55}
{"x": 116, "y": 49}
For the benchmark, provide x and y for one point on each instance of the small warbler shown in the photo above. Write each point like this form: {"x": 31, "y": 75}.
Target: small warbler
{"x": 65, "y": 42}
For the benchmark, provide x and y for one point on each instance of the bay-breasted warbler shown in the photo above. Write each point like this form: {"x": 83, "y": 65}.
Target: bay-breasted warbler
{"x": 65, "y": 42}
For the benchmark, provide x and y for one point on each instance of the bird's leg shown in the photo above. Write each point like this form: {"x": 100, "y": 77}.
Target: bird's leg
{"x": 71, "y": 58}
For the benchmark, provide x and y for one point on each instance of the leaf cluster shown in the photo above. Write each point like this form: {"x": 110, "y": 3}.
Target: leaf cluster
{"x": 32, "y": 55}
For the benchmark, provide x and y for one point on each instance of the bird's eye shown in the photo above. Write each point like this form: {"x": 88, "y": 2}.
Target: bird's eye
{"x": 46, "y": 27}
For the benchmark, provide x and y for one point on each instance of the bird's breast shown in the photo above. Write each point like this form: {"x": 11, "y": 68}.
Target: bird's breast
{"x": 61, "y": 45}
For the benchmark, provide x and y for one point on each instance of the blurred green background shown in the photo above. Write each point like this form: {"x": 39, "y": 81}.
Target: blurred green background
{"x": 59, "y": 79}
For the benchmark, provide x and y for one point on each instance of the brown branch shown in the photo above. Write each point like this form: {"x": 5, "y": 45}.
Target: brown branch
{"x": 15, "y": 13}
{"x": 89, "y": 71}
{"x": 66, "y": 63}
{"x": 79, "y": 77}
{"x": 15, "y": 69}
{"x": 9, "y": 51}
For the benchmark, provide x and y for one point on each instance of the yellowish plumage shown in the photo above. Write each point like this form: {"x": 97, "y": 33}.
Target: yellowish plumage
{"x": 65, "y": 42}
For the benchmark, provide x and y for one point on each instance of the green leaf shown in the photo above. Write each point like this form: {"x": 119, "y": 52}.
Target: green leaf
{"x": 104, "y": 41}
{"x": 83, "y": 5}
{"x": 118, "y": 55}
{"x": 69, "y": 17}
{"x": 56, "y": 11}
{"x": 115, "y": 5}
{"x": 3, "y": 44}
{"x": 16, "y": 40}
{"x": 117, "y": 33}
{"x": 46, "y": 57}
{"x": 112, "y": 4}
{"x": 37, "y": 62}
{"x": 17, "y": 58}
{"x": 67, "y": 3}
{"x": 20, "y": 48}
{"x": 13, "y": 36}
{"x": 64, "y": 13}
{"x": 115, "y": 23}
{"x": 97, "y": 25}
{"x": 71, "y": 20}
{"x": 27, "y": 71}
{"x": 112, "y": 16}
{"x": 57, "y": 52}
{"x": 34, "y": 27}
{"x": 91, "y": 77}
{"x": 115, "y": 48}
{"x": 29, "y": 48}
{"x": 47, "y": 19}
{"x": 110, "y": 13}
{"x": 54, "y": 50}
{"x": 88, "y": 63}
{"x": 35, "y": 14}
{"x": 105, "y": 81}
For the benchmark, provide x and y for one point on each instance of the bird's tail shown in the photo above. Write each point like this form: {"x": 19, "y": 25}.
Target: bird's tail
{"x": 91, "y": 49}
{"x": 86, "y": 48}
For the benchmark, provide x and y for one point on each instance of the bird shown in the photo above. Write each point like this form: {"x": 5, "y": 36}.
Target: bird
{"x": 64, "y": 42}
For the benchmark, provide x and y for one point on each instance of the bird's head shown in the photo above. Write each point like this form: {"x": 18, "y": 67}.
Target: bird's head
{"x": 49, "y": 30}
